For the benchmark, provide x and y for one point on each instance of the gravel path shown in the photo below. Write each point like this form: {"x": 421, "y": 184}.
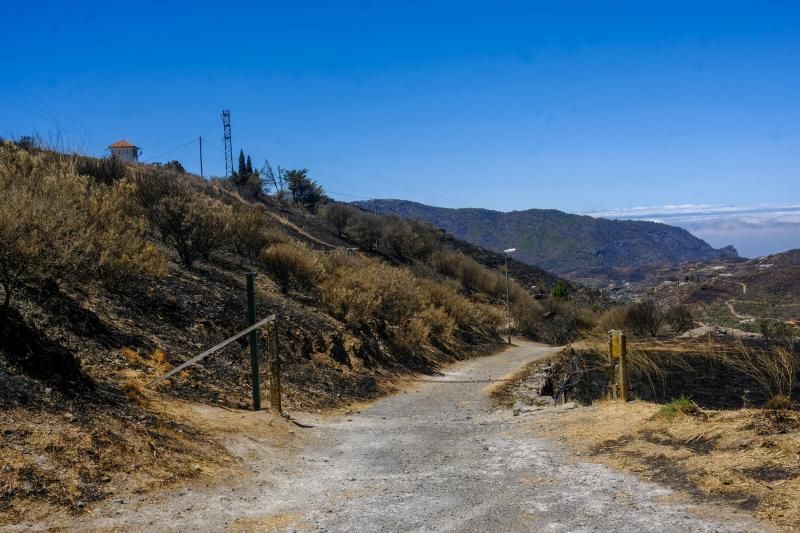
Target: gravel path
{"x": 436, "y": 457}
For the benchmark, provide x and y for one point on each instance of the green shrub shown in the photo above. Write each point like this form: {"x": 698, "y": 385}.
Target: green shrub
{"x": 678, "y": 406}
{"x": 304, "y": 191}
{"x": 560, "y": 289}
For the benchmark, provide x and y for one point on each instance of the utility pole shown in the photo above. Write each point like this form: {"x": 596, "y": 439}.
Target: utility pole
{"x": 201, "y": 156}
{"x": 226, "y": 135}
{"x": 508, "y": 295}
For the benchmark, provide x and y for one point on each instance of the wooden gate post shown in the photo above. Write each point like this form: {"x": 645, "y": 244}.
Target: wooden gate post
{"x": 275, "y": 370}
{"x": 619, "y": 350}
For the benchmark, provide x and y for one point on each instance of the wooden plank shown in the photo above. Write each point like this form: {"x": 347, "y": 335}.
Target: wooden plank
{"x": 208, "y": 352}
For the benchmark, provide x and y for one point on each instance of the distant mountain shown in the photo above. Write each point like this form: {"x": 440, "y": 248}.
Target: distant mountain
{"x": 574, "y": 246}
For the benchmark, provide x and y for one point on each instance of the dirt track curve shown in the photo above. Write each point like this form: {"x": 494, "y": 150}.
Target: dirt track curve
{"x": 435, "y": 457}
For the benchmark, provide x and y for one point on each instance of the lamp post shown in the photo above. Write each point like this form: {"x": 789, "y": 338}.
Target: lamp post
{"x": 508, "y": 299}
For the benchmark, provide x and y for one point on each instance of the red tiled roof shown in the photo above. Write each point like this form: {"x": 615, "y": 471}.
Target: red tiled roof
{"x": 123, "y": 144}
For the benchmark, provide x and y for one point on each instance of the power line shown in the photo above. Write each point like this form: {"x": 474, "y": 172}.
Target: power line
{"x": 170, "y": 151}
{"x": 349, "y": 166}
{"x": 31, "y": 99}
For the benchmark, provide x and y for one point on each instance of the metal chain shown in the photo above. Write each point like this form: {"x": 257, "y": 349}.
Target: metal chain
{"x": 455, "y": 380}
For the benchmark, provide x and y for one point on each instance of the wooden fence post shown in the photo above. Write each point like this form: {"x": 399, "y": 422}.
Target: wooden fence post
{"x": 619, "y": 350}
{"x": 275, "y": 371}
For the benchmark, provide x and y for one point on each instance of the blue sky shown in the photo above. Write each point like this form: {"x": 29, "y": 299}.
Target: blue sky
{"x": 581, "y": 106}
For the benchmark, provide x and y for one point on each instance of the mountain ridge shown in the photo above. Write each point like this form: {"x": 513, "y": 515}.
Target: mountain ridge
{"x": 570, "y": 245}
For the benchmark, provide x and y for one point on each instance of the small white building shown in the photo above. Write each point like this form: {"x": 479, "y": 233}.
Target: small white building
{"x": 125, "y": 151}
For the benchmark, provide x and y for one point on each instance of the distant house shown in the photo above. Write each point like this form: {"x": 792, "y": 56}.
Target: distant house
{"x": 125, "y": 151}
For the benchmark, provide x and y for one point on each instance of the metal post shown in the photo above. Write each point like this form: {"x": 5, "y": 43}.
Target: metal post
{"x": 253, "y": 336}
{"x": 201, "y": 156}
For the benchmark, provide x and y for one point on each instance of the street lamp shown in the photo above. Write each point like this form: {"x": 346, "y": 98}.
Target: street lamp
{"x": 508, "y": 299}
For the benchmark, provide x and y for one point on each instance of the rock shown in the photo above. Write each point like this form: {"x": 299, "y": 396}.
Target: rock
{"x": 570, "y": 405}
{"x": 69, "y": 416}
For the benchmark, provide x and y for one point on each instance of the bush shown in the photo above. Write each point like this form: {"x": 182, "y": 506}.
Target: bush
{"x": 251, "y": 231}
{"x": 679, "y": 317}
{"x": 366, "y": 228}
{"x": 371, "y": 290}
{"x": 192, "y": 223}
{"x": 304, "y": 191}
{"x": 292, "y": 266}
{"x": 774, "y": 330}
{"x": 614, "y": 318}
{"x": 643, "y": 319}
{"x": 526, "y": 313}
{"x": 338, "y": 215}
{"x": 560, "y": 289}
{"x": 473, "y": 276}
{"x": 440, "y": 323}
{"x": 58, "y": 226}
{"x": 105, "y": 170}
{"x": 412, "y": 335}
{"x": 679, "y": 406}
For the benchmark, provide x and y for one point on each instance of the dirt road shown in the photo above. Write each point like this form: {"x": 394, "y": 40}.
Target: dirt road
{"x": 436, "y": 457}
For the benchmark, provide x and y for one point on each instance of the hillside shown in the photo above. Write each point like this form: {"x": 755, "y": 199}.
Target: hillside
{"x": 575, "y": 246}
{"x": 747, "y": 295}
{"x": 110, "y": 276}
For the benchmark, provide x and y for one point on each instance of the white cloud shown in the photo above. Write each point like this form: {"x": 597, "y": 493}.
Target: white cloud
{"x": 753, "y": 229}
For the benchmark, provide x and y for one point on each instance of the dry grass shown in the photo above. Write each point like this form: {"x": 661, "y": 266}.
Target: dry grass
{"x": 750, "y": 458}
{"x": 67, "y": 461}
{"x": 64, "y": 462}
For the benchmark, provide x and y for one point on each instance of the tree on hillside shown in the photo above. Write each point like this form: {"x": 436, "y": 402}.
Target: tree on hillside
{"x": 338, "y": 215}
{"x": 242, "y": 166}
{"x": 365, "y": 227}
{"x": 273, "y": 179}
{"x": 304, "y": 190}
{"x": 249, "y": 166}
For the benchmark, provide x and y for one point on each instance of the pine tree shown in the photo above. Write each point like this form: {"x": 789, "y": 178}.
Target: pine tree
{"x": 249, "y": 166}
{"x": 242, "y": 166}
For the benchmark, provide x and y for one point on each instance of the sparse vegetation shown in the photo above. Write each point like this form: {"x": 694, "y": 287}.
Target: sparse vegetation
{"x": 678, "y": 406}
{"x": 59, "y": 227}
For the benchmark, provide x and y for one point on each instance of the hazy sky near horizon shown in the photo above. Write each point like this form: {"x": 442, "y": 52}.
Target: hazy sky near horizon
{"x": 581, "y": 106}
